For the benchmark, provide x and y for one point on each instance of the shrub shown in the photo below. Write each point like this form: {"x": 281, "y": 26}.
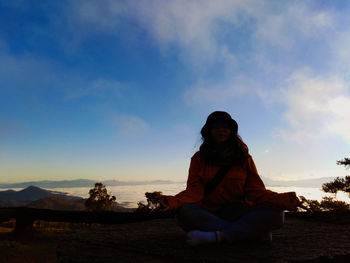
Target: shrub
{"x": 314, "y": 205}
{"x": 329, "y": 203}
{"x": 152, "y": 202}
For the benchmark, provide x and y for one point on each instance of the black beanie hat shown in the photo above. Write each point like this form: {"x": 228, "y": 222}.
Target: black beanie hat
{"x": 219, "y": 116}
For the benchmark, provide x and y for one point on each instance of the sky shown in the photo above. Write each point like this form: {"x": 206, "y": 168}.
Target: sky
{"x": 120, "y": 89}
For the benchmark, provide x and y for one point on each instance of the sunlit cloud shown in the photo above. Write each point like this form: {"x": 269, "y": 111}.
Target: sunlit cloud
{"x": 317, "y": 107}
{"x": 339, "y": 107}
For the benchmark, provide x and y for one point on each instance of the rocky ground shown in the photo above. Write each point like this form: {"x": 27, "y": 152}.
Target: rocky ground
{"x": 304, "y": 238}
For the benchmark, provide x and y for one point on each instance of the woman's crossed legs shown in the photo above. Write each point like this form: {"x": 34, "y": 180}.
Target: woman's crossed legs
{"x": 231, "y": 223}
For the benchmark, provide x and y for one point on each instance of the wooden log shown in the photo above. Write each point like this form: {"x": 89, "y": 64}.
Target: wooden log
{"x": 25, "y": 216}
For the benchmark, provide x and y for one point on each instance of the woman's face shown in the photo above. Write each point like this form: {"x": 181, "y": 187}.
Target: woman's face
{"x": 220, "y": 132}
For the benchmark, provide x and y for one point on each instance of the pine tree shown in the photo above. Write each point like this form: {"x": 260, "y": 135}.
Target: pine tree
{"x": 339, "y": 184}
{"x": 345, "y": 162}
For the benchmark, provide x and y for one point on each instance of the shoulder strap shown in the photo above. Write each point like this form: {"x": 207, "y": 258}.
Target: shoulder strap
{"x": 209, "y": 187}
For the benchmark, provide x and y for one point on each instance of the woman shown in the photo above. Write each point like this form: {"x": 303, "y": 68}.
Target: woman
{"x": 238, "y": 206}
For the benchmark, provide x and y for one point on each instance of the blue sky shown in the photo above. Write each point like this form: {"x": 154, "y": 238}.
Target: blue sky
{"x": 120, "y": 90}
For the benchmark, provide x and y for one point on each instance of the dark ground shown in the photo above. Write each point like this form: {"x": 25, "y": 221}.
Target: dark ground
{"x": 304, "y": 238}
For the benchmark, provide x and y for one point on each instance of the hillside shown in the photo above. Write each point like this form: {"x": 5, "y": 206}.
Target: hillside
{"x": 40, "y": 198}
{"x": 57, "y": 203}
{"x": 36, "y": 197}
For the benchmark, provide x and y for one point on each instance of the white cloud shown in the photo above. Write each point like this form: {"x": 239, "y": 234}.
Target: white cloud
{"x": 316, "y": 107}
{"x": 205, "y": 32}
{"x": 192, "y": 26}
{"x": 296, "y": 21}
{"x": 130, "y": 126}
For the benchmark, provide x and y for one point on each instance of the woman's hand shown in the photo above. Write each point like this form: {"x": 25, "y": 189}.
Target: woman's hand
{"x": 295, "y": 203}
{"x": 164, "y": 206}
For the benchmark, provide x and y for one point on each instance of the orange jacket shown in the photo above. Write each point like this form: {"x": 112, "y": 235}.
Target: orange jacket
{"x": 239, "y": 184}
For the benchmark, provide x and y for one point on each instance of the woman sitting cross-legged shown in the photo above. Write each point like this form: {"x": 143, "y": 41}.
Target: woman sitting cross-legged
{"x": 225, "y": 199}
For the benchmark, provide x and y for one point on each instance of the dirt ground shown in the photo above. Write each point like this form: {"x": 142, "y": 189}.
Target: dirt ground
{"x": 321, "y": 238}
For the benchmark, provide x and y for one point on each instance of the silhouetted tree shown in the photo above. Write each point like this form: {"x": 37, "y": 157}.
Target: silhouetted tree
{"x": 338, "y": 184}
{"x": 345, "y": 162}
{"x": 99, "y": 199}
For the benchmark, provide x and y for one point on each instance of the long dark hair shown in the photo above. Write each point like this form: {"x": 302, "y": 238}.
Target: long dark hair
{"x": 233, "y": 151}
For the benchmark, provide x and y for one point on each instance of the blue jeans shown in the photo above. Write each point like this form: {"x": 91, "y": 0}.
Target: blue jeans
{"x": 236, "y": 221}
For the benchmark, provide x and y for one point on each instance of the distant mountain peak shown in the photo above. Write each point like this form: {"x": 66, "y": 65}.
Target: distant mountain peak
{"x": 34, "y": 189}
{"x": 31, "y": 188}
